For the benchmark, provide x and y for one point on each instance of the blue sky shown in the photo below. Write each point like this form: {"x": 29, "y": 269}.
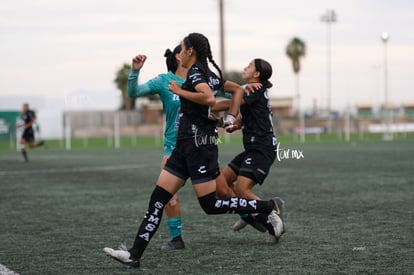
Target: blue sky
{"x": 64, "y": 54}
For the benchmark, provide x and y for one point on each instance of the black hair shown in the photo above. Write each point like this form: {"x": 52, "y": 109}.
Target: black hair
{"x": 265, "y": 70}
{"x": 201, "y": 46}
{"x": 170, "y": 59}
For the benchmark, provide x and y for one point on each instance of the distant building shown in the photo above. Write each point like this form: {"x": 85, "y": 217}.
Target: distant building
{"x": 282, "y": 106}
{"x": 364, "y": 111}
{"x": 409, "y": 110}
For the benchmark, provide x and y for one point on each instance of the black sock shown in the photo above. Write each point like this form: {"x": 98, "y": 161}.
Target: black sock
{"x": 24, "y": 153}
{"x": 212, "y": 205}
{"x": 149, "y": 225}
{"x": 263, "y": 219}
{"x": 250, "y": 219}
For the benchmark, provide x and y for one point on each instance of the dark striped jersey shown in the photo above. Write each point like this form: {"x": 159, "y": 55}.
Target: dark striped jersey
{"x": 257, "y": 123}
{"x": 28, "y": 117}
{"x": 194, "y": 118}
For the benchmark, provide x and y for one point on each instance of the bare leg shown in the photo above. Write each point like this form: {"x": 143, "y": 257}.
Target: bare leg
{"x": 23, "y": 149}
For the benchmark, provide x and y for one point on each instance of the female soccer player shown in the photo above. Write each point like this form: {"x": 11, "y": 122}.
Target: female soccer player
{"x": 195, "y": 154}
{"x": 252, "y": 166}
{"x": 171, "y": 107}
{"x": 29, "y": 118}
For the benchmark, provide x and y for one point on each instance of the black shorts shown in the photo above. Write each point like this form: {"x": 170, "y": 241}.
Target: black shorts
{"x": 254, "y": 163}
{"x": 28, "y": 135}
{"x": 196, "y": 162}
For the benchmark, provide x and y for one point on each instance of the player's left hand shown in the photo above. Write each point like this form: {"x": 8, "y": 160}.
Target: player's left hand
{"x": 252, "y": 87}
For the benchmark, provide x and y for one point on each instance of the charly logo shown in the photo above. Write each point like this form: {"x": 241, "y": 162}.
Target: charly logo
{"x": 282, "y": 153}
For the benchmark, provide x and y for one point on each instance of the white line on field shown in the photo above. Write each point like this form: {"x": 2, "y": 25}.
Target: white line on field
{"x": 71, "y": 170}
{"x": 5, "y": 271}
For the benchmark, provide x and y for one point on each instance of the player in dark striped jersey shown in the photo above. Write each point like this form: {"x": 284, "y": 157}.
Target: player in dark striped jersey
{"x": 29, "y": 118}
{"x": 251, "y": 166}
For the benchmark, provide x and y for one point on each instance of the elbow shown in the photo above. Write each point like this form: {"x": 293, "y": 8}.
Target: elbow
{"x": 239, "y": 91}
{"x": 211, "y": 101}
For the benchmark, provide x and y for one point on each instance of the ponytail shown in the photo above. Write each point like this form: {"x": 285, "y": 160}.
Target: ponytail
{"x": 170, "y": 59}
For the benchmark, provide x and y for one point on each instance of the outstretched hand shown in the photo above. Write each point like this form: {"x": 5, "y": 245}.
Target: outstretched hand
{"x": 138, "y": 61}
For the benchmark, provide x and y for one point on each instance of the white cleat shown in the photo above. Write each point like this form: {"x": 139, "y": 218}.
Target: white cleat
{"x": 122, "y": 256}
{"x": 277, "y": 224}
{"x": 277, "y": 220}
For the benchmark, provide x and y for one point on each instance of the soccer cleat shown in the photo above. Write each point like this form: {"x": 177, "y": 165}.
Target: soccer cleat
{"x": 174, "y": 244}
{"x": 280, "y": 206}
{"x": 240, "y": 224}
{"x": 122, "y": 256}
{"x": 275, "y": 218}
{"x": 270, "y": 239}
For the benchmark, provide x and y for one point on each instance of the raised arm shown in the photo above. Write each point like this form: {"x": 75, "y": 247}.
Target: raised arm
{"x": 222, "y": 105}
{"x": 237, "y": 96}
{"x": 135, "y": 90}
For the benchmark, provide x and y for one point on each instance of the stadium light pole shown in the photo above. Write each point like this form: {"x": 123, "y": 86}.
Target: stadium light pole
{"x": 329, "y": 17}
{"x": 222, "y": 51}
{"x": 387, "y": 112}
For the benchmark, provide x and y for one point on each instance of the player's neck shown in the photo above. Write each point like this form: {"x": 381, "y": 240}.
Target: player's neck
{"x": 181, "y": 72}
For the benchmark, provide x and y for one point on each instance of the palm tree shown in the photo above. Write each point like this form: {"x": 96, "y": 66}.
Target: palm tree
{"x": 121, "y": 81}
{"x": 295, "y": 50}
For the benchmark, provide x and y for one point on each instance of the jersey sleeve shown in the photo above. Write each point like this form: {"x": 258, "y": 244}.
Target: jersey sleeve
{"x": 196, "y": 76}
{"x": 135, "y": 90}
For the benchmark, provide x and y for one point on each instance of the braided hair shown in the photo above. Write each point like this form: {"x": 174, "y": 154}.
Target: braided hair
{"x": 170, "y": 59}
{"x": 201, "y": 46}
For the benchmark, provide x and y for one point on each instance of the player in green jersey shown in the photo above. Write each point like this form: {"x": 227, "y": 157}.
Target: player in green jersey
{"x": 171, "y": 107}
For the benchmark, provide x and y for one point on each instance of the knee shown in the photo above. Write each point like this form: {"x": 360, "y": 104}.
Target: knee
{"x": 174, "y": 201}
{"x": 208, "y": 202}
{"x": 241, "y": 192}
{"x": 222, "y": 192}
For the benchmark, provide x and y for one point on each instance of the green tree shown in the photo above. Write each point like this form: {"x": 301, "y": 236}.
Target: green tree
{"x": 295, "y": 50}
{"x": 234, "y": 76}
{"x": 121, "y": 81}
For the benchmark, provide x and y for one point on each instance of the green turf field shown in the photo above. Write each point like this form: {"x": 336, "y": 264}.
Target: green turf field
{"x": 349, "y": 205}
